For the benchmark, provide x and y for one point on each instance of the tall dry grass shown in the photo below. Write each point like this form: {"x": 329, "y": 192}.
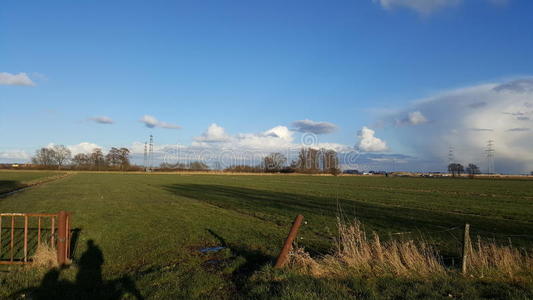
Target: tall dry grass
{"x": 357, "y": 254}
{"x": 487, "y": 259}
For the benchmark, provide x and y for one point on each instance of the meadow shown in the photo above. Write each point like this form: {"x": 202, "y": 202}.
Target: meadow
{"x": 150, "y": 230}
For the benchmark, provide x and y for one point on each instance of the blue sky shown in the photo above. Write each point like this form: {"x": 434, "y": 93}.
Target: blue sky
{"x": 250, "y": 66}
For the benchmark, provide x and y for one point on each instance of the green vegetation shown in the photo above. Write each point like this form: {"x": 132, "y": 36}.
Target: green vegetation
{"x": 150, "y": 228}
{"x": 13, "y": 180}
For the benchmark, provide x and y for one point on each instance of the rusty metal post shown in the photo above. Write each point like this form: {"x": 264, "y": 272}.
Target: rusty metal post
{"x": 25, "y": 238}
{"x": 62, "y": 237}
{"x": 12, "y": 236}
{"x": 466, "y": 247}
{"x": 283, "y": 255}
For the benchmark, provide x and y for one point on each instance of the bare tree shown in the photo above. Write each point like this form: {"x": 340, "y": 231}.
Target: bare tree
{"x": 61, "y": 155}
{"x": 274, "y": 162}
{"x": 81, "y": 160}
{"x": 44, "y": 157}
{"x": 455, "y": 169}
{"x": 330, "y": 162}
{"x": 472, "y": 170}
{"x": 97, "y": 159}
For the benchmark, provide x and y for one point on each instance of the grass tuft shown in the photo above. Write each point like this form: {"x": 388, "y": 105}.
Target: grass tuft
{"x": 45, "y": 257}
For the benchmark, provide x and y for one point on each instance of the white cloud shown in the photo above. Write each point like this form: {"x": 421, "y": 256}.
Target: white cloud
{"x": 14, "y": 156}
{"x": 416, "y": 118}
{"x": 102, "y": 120}
{"x": 368, "y": 142}
{"x": 83, "y": 147}
{"x": 313, "y": 126}
{"x": 423, "y": 7}
{"x": 15, "y": 79}
{"x": 213, "y": 134}
{"x": 151, "y": 122}
{"x": 467, "y": 118}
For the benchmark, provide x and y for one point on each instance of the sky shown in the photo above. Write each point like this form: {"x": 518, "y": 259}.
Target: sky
{"x": 389, "y": 84}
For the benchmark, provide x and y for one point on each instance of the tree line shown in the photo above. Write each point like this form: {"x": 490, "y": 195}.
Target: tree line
{"x": 60, "y": 157}
{"x": 309, "y": 160}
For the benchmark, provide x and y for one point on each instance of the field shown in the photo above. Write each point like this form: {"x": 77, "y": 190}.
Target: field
{"x": 150, "y": 229}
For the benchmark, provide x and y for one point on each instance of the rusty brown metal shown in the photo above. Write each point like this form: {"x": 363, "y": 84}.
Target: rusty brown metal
{"x": 12, "y": 236}
{"x": 25, "y": 238}
{"x": 39, "y": 232}
{"x": 283, "y": 255}
{"x": 52, "y": 230}
{"x": 1, "y": 236}
{"x": 62, "y": 238}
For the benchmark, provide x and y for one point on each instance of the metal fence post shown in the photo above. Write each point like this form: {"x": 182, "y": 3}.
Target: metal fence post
{"x": 466, "y": 246}
{"x": 283, "y": 255}
{"x": 62, "y": 238}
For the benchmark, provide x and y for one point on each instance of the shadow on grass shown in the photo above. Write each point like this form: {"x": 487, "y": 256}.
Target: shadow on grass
{"x": 7, "y": 187}
{"x": 89, "y": 283}
{"x": 321, "y": 212}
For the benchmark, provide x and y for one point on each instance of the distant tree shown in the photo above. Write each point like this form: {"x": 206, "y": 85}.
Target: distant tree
{"x": 472, "y": 170}
{"x": 81, "y": 160}
{"x": 113, "y": 157}
{"x": 44, "y": 157}
{"x": 531, "y": 173}
{"x": 456, "y": 169}
{"x": 274, "y": 162}
{"x": 198, "y": 166}
{"x": 124, "y": 158}
{"x": 61, "y": 155}
{"x": 97, "y": 159}
{"x": 330, "y": 162}
{"x": 308, "y": 161}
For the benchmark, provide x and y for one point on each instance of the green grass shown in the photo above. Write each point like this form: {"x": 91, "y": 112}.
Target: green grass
{"x": 12, "y": 180}
{"x": 150, "y": 228}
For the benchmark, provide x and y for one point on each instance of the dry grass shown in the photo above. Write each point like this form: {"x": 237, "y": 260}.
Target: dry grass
{"x": 45, "y": 256}
{"x": 487, "y": 259}
{"x": 355, "y": 253}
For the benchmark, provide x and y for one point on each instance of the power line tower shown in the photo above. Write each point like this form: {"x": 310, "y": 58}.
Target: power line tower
{"x": 151, "y": 153}
{"x": 490, "y": 157}
{"x": 145, "y": 163}
{"x": 451, "y": 157}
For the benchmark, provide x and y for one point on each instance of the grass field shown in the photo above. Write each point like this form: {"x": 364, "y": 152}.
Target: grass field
{"x": 150, "y": 228}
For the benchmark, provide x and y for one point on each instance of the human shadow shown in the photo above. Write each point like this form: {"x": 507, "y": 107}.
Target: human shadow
{"x": 89, "y": 283}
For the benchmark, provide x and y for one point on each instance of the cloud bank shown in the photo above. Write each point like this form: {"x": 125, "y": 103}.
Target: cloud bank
{"x": 152, "y": 122}
{"x": 466, "y": 119}
{"x": 15, "y": 79}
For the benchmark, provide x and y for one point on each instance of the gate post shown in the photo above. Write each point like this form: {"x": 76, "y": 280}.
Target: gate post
{"x": 283, "y": 255}
{"x": 62, "y": 238}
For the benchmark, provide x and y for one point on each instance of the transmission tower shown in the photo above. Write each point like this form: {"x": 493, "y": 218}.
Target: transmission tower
{"x": 451, "y": 157}
{"x": 490, "y": 157}
{"x": 145, "y": 163}
{"x": 151, "y": 153}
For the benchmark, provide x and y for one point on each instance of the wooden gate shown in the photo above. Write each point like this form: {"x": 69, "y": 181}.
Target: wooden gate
{"x": 22, "y": 233}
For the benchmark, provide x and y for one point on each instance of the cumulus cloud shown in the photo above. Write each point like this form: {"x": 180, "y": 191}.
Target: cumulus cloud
{"x": 413, "y": 118}
{"x": 15, "y": 79}
{"x": 102, "y": 120}
{"x": 368, "y": 142}
{"x": 83, "y": 147}
{"x": 313, "y": 126}
{"x": 152, "y": 122}
{"x": 459, "y": 120}
{"x": 213, "y": 134}
{"x": 423, "y": 7}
